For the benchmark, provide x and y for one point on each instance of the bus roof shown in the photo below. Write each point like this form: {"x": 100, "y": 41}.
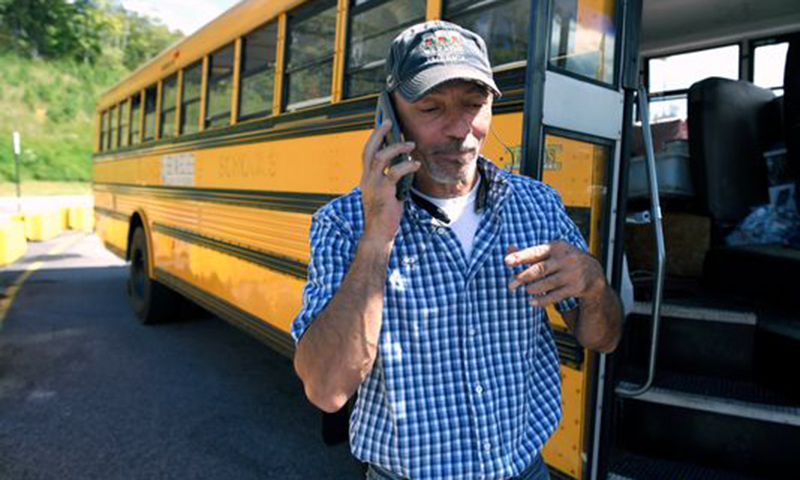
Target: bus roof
{"x": 670, "y": 26}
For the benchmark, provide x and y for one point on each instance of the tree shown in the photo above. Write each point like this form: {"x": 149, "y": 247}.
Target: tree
{"x": 82, "y": 30}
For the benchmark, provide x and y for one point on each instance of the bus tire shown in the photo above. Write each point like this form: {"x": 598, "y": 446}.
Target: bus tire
{"x": 152, "y": 301}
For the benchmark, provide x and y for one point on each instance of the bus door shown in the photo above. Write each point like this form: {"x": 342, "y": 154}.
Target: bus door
{"x": 576, "y": 100}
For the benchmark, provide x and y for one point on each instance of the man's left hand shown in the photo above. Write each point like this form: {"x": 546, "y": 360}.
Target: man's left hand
{"x": 556, "y": 271}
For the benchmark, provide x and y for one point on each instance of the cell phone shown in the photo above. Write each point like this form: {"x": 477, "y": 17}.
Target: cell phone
{"x": 385, "y": 111}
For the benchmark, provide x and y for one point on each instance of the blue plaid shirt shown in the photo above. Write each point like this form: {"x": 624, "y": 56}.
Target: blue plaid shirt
{"x": 466, "y": 383}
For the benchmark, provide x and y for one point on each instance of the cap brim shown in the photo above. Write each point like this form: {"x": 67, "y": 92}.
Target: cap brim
{"x": 418, "y": 86}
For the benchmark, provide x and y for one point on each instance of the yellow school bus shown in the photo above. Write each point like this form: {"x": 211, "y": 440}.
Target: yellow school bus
{"x": 211, "y": 158}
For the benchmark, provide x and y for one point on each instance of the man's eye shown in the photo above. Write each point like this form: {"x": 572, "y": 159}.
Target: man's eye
{"x": 429, "y": 109}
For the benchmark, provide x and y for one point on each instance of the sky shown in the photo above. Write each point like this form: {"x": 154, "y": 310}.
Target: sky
{"x": 184, "y": 15}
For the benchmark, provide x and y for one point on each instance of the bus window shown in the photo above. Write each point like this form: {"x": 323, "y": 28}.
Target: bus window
{"x": 108, "y": 129}
{"x": 190, "y": 101}
{"x": 670, "y": 77}
{"x": 103, "y": 120}
{"x": 257, "y": 77}
{"x": 124, "y": 119}
{"x": 150, "y": 96}
{"x": 582, "y": 38}
{"x": 220, "y": 87}
{"x": 309, "y": 67}
{"x": 373, "y": 26}
{"x": 112, "y": 128}
{"x": 136, "y": 107}
{"x": 577, "y": 169}
{"x": 769, "y": 63}
{"x": 169, "y": 92}
{"x": 503, "y": 25}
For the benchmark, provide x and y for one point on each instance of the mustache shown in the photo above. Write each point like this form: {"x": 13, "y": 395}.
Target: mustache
{"x": 455, "y": 148}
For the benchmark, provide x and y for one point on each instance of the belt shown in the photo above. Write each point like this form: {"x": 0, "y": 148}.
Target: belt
{"x": 377, "y": 473}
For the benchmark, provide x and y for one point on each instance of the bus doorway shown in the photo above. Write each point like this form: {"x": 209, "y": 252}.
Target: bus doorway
{"x": 711, "y": 391}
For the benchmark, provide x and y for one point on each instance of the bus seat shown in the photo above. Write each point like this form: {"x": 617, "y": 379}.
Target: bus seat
{"x": 726, "y": 141}
{"x": 791, "y": 110}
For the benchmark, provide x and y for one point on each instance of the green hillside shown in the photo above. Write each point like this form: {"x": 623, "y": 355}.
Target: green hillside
{"x": 51, "y": 104}
{"x": 56, "y": 57}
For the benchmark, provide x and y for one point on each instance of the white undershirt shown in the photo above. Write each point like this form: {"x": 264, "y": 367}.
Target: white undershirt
{"x": 463, "y": 217}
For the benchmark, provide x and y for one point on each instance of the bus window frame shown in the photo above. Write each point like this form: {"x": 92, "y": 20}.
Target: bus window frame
{"x": 606, "y": 225}
{"x": 353, "y": 10}
{"x": 102, "y": 142}
{"x": 127, "y": 132}
{"x": 256, "y": 71}
{"x": 168, "y": 131}
{"x": 302, "y": 13}
{"x": 683, "y": 94}
{"x": 618, "y": 41}
{"x": 210, "y": 81}
{"x": 138, "y": 119}
{"x": 113, "y": 128}
{"x": 184, "y": 102}
{"x": 750, "y": 61}
{"x": 153, "y": 87}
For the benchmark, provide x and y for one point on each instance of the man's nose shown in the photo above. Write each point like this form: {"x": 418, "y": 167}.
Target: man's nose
{"x": 459, "y": 125}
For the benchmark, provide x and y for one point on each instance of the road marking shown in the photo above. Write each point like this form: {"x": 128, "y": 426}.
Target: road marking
{"x": 8, "y": 295}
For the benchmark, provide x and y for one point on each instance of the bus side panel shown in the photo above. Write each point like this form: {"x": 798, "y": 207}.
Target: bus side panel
{"x": 273, "y": 297}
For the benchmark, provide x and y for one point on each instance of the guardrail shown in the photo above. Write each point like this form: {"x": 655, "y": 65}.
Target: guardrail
{"x": 16, "y": 230}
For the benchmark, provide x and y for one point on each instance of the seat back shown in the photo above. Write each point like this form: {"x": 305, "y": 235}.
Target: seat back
{"x": 791, "y": 109}
{"x": 726, "y": 141}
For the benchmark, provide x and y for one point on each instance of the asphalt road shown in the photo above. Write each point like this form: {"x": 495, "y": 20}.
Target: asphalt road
{"x": 86, "y": 392}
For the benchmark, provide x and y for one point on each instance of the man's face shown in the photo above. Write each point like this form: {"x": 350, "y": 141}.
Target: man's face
{"x": 448, "y": 126}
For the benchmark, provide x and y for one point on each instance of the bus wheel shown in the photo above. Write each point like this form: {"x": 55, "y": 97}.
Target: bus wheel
{"x": 151, "y": 301}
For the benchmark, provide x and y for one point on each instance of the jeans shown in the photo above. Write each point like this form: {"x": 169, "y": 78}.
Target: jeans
{"x": 536, "y": 471}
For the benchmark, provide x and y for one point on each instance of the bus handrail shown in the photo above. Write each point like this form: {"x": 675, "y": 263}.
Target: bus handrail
{"x": 656, "y": 220}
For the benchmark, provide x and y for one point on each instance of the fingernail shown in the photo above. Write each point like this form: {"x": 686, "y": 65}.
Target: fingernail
{"x": 534, "y": 303}
{"x": 513, "y": 285}
{"x": 509, "y": 260}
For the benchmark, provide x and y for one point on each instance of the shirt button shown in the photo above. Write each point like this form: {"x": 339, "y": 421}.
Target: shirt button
{"x": 487, "y": 447}
{"x": 440, "y": 231}
{"x": 479, "y": 388}
{"x": 472, "y": 331}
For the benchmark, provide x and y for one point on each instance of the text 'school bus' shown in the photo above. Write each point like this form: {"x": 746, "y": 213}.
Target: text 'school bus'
{"x": 211, "y": 159}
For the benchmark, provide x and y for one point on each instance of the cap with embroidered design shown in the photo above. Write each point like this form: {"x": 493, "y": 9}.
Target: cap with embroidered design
{"x": 426, "y": 55}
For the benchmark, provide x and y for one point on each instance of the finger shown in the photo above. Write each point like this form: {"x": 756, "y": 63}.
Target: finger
{"x": 511, "y": 249}
{"x": 385, "y": 156}
{"x": 529, "y": 256}
{"x": 550, "y": 298}
{"x": 375, "y": 140}
{"x": 536, "y": 272}
{"x": 547, "y": 284}
{"x": 396, "y": 172}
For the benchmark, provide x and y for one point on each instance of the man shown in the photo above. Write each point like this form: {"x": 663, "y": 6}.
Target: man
{"x": 432, "y": 308}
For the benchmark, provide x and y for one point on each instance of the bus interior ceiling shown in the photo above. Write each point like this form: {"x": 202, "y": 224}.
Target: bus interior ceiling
{"x": 725, "y": 402}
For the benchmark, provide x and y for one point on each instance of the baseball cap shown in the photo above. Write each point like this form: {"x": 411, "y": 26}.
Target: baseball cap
{"x": 429, "y": 54}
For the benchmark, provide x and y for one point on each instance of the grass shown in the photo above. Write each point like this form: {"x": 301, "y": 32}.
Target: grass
{"x": 51, "y": 103}
{"x": 40, "y": 188}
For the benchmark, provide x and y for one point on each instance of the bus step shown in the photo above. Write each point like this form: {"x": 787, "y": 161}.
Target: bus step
{"x": 695, "y": 339}
{"x": 737, "y": 425}
{"x": 637, "y": 467}
{"x": 778, "y": 349}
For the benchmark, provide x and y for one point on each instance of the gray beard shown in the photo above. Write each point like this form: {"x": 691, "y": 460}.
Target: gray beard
{"x": 444, "y": 176}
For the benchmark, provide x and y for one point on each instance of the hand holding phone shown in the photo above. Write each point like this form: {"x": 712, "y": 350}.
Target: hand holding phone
{"x": 385, "y": 111}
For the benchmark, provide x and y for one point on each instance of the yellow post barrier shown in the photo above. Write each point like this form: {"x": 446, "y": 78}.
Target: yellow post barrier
{"x": 12, "y": 241}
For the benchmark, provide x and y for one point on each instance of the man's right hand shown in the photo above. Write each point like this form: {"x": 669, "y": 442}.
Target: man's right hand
{"x": 382, "y": 210}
